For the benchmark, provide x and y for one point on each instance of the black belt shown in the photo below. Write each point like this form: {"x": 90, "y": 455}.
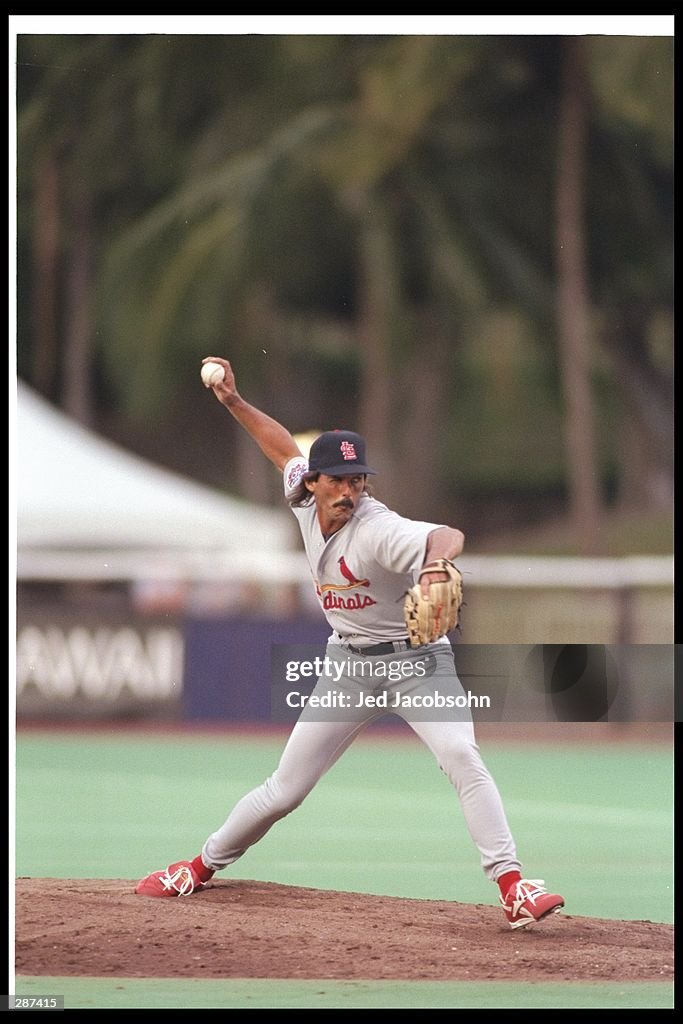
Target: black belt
{"x": 375, "y": 650}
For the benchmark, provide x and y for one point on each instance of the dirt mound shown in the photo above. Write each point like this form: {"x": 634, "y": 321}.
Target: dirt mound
{"x": 247, "y": 929}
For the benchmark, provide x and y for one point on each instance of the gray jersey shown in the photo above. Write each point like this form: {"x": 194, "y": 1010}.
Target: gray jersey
{"x": 362, "y": 572}
{"x": 361, "y": 575}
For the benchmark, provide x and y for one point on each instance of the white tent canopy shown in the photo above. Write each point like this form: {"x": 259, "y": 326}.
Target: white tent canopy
{"x": 81, "y": 500}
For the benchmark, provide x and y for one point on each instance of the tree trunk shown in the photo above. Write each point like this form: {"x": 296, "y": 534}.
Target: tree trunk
{"x": 647, "y": 438}
{"x": 256, "y": 479}
{"x": 78, "y": 398}
{"x": 424, "y": 419}
{"x": 376, "y": 303}
{"x": 573, "y": 306}
{"x": 45, "y": 254}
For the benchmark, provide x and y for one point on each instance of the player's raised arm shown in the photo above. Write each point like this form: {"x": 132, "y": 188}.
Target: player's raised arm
{"x": 274, "y": 440}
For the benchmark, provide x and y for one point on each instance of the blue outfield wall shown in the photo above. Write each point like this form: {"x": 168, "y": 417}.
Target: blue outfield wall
{"x": 228, "y": 664}
{"x": 79, "y": 661}
{"x": 236, "y": 670}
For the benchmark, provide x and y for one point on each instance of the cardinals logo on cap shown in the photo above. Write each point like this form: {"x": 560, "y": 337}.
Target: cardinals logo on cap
{"x": 338, "y": 452}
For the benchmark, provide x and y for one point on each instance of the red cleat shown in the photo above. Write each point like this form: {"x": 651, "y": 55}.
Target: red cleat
{"x": 527, "y": 901}
{"x": 179, "y": 879}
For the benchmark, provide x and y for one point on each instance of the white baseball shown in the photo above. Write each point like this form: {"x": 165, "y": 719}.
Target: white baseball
{"x": 212, "y": 373}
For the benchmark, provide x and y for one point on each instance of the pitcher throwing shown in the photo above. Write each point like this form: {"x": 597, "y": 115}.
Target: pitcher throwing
{"x": 390, "y": 593}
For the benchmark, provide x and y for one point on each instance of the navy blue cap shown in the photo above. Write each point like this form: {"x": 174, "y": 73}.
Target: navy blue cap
{"x": 338, "y": 453}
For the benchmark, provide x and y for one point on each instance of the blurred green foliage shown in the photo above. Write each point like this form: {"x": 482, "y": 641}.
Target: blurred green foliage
{"x": 365, "y": 226}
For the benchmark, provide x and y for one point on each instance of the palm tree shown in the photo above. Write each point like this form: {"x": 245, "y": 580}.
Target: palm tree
{"x": 345, "y": 210}
{"x": 574, "y": 314}
{"x": 365, "y": 155}
{"x": 70, "y": 91}
{"x": 631, "y": 208}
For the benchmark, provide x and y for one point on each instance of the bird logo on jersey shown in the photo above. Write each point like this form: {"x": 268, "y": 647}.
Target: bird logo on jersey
{"x": 332, "y": 600}
{"x": 348, "y": 575}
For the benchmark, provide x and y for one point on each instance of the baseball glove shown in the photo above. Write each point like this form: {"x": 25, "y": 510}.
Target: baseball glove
{"x": 428, "y": 618}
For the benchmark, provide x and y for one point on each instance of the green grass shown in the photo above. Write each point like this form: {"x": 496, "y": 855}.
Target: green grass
{"x": 263, "y": 993}
{"x": 384, "y": 820}
{"x": 595, "y": 822}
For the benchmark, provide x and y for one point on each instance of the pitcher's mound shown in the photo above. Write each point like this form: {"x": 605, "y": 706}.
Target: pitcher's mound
{"x": 246, "y": 929}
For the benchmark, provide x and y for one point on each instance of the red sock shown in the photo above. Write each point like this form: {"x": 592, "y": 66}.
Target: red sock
{"x": 506, "y": 880}
{"x": 200, "y": 867}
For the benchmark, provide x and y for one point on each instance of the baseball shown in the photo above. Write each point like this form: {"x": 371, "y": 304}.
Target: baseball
{"x": 212, "y": 373}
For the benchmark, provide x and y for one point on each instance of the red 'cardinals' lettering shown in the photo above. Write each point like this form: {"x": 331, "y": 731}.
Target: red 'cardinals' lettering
{"x": 349, "y": 604}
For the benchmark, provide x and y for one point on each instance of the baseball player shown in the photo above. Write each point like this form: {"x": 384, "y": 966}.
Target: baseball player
{"x": 364, "y": 559}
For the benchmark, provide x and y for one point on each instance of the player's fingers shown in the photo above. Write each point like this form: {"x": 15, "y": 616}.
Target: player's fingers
{"x": 431, "y": 577}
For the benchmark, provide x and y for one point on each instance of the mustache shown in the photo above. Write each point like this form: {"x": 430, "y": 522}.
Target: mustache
{"x": 343, "y": 503}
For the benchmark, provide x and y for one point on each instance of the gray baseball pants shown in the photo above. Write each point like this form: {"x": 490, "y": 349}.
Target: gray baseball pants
{"x": 320, "y": 737}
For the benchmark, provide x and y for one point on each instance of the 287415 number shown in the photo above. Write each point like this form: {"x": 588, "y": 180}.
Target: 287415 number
{"x": 37, "y": 1003}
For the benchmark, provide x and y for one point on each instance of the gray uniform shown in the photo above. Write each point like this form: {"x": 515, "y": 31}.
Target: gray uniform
{"x": 361, "y": 574}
